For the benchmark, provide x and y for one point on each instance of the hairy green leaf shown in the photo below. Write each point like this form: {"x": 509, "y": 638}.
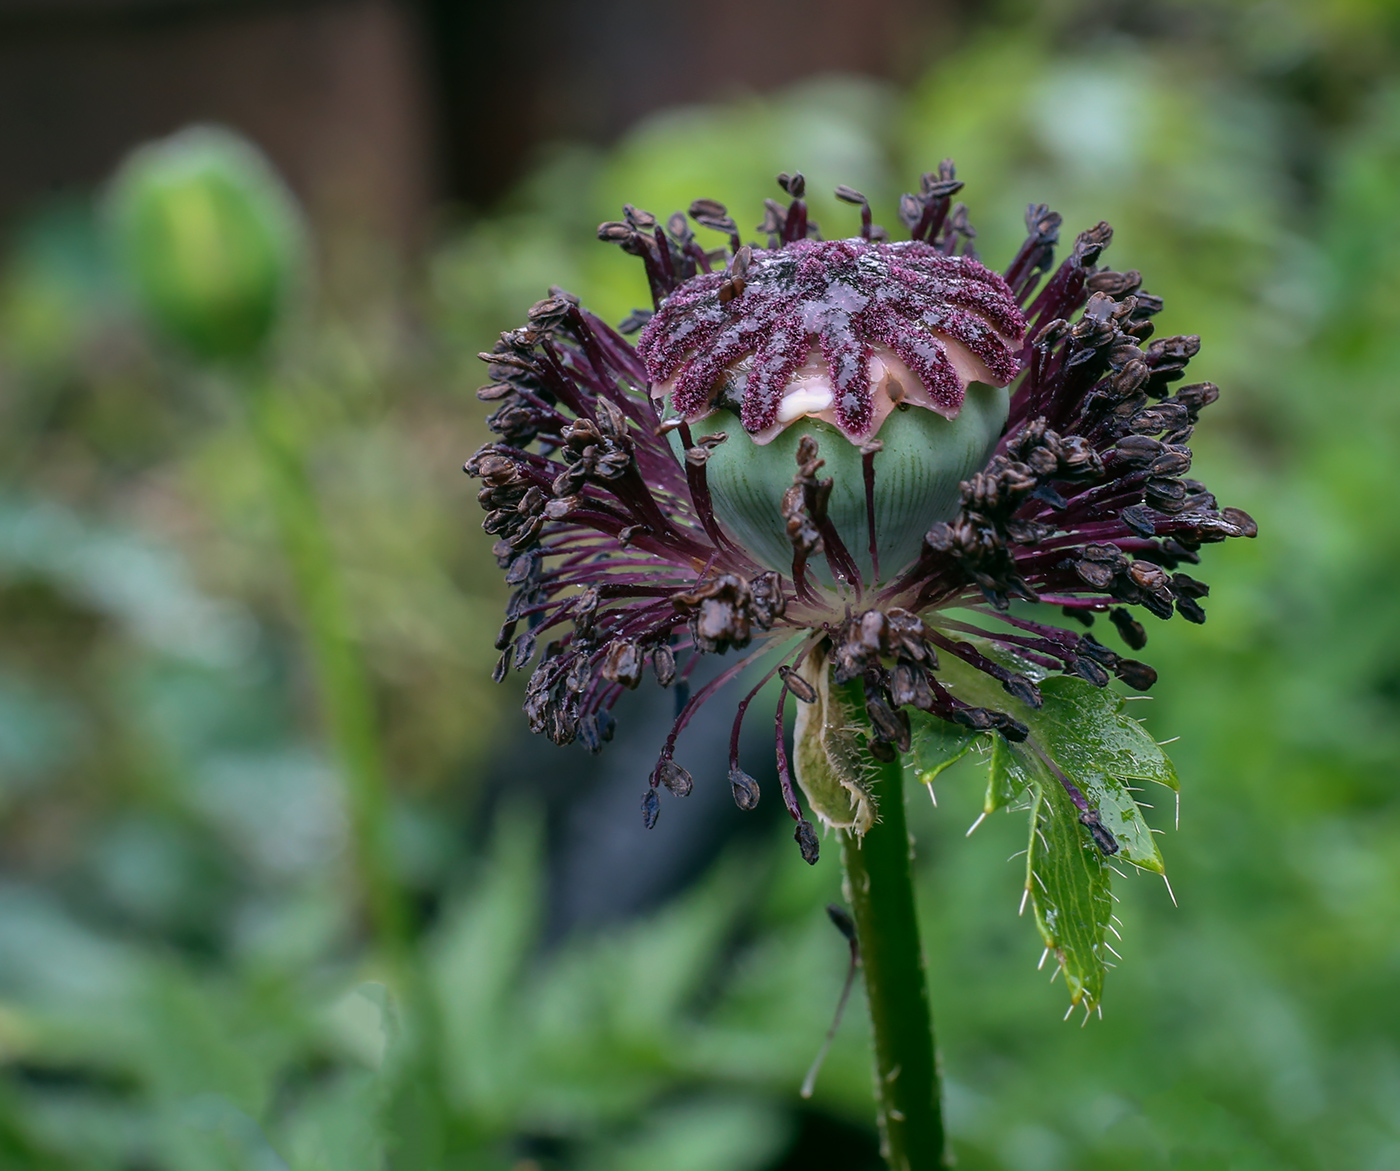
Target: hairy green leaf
{"x": 1094, "y": 731}
{"x": 1006, "y": 778}
{"x": 1067, "y": 885}
{"x": 1077, "y": 769}
{"x": 938, "y": 744}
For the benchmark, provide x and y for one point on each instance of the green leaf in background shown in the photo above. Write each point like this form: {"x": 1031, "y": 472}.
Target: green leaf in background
{"x": 699, "y": 1136}
{"x": 1076, "y": 768}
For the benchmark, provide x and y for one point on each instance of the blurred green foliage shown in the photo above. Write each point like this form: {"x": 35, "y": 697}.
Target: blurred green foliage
{"x": 183, "y": 977}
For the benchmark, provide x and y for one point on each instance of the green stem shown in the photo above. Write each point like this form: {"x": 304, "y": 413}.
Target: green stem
{"x": 341, "y": 681}
{"x": 879, "y": 886}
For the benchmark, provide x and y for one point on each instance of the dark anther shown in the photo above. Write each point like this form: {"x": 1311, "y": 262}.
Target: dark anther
{"x": 873, "y": 630}
{"x": 908, "y": 636}
{"x": 1094, "y": 649}
{"x": 651, "y": 808}
{"x": 1019, "y": 687}
{"x": 676, "y": 779}
{"x": 882, "y": 750}
{"x": 1184, "y": 585}
{"x": 1241, "y": 520}
{"x": 1175, "y": 460}
{"x": 766, "y": 598}
{"x": 635, "y": 321}
{"x": 623, "y": 664}
{"x": 774, "y": 222}
{"x": 1197, "y": 396}
{"x": 804, "y": 508}
{"x": 1139, "y": 518}
{"x": 1089, "y": 244}
{"x": 794, "y": 184}
{"x": 1014, "y": 730}
{"x": 942, "y": 183}
{"x": 549, "y": 314}
{"x": 744, "y": 787}
{"x": 889, "y": 725}
{"x": 1136, "y": 675}
{"x": 643, "y": 221}
{"x": 710, "y": 213}
{"x": 523, "y": 568}
{"x": 1138, "y": 450}
{"x": 663, "y": 662}
{"x": 1096, "y": 573}
{"x": 842, "y": 921}
{"x": 1168, "y": 356}
{"x": 1190, "y": 609}
{"x": 724, "y": 611}
{"x": 806, "y": 838}
{"x": 909, "y": 685}
{"x": 1129, "y": 628}
{"x": 867, "y": 230}
{"x": 1167, "y": 496}
{"x": 1148, "y": 576}
{"x": 1106, "y": 842}
{"x": 1115, "y": 284}
{"x": 1086, "y": 668}
{"x": 979, "y": 719}
{"x": 798, "y": 685}
{"x": 1164, "y": 416}
{"x": 614, "y": 232}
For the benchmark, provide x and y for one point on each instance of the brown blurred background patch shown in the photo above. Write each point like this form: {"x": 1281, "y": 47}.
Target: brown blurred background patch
{"x": 379, "y": 110}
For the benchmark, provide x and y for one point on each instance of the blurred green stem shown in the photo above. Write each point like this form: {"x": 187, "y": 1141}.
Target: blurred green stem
{"x": 880, "y": 888}
{"x": 347, "y": 703}
{"x": 341, "y": 680}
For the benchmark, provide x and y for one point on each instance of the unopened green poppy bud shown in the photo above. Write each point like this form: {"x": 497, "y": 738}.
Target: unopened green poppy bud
{"x": 893, "y": 358}
{"x": 210, "y": 240}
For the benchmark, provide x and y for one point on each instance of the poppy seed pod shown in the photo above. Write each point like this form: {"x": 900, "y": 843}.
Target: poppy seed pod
{"x": 210, "y": 241}
{"x": 848, "y": 458}
{"x": 899, "y": 348}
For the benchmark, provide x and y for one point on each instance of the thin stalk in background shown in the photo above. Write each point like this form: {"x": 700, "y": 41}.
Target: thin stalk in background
{"x": 421, "y": 1111}
{"x": 342, "y": 682}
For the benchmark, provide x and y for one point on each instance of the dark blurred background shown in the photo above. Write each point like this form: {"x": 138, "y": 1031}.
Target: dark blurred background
{"x": 186, "y": 980}
{"x": 381, "y": 112}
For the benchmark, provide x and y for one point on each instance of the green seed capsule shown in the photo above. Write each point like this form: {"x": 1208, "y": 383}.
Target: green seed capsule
{"x": 924, "y": 458}
{"x": 210, "y": 239}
